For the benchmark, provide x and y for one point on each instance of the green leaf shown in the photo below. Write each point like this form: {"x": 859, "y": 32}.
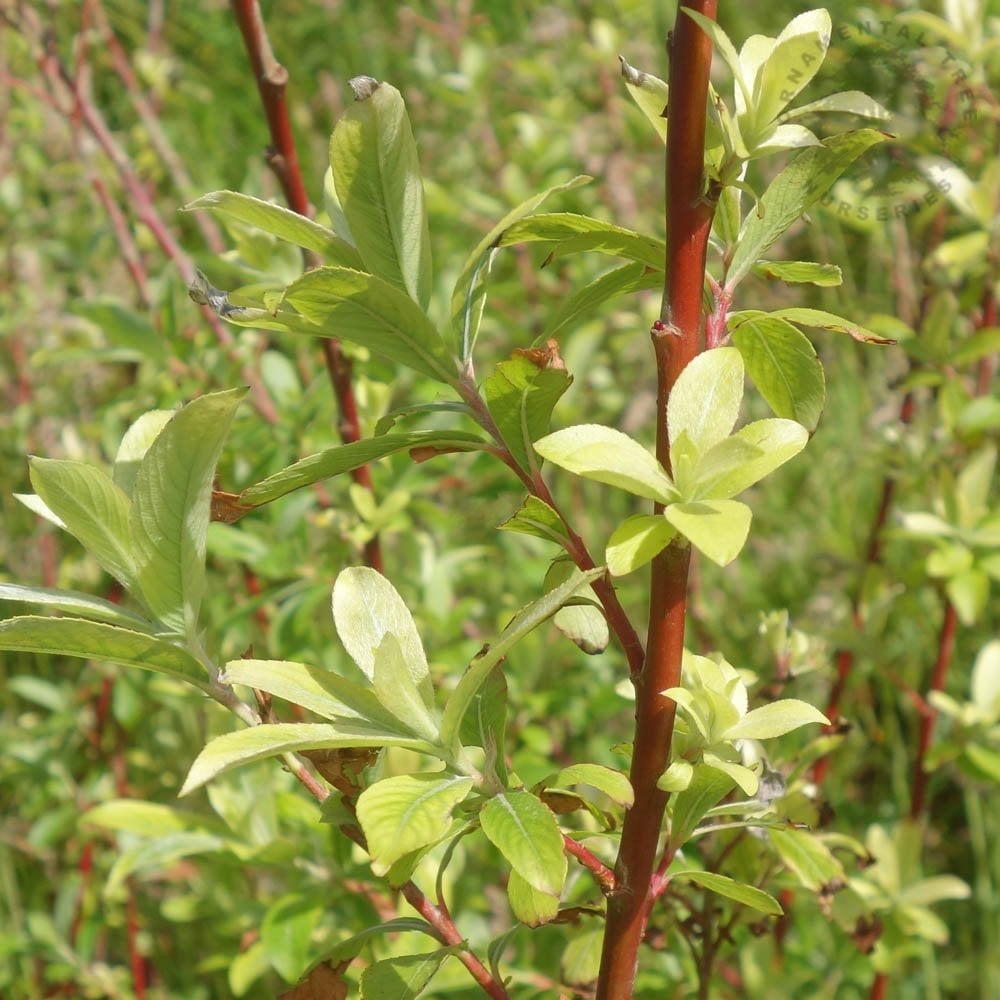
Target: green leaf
{"x": 637, "y": 540}
{"x": 403, "y": 978}
{"x": 376, "y": 173}
{"x": 677, "y": 777}
{"x": 850, "y": 102}
{"x": 159, "y": 854}
{"x": 707, "y": 788}
{"x": 366, "y": 608}
{"x": 535, "y": 517}
{"x": 705, "y": 400}
{"x": 608, "y": 456}
{"x": 807, "y": 856}
{"x": 574, "y": 233}
{"x": 612, "y": 783}
{"x": 469, "y": 296}
{"x": 800, "y": 272}
{"x": 278, "y": 221}
{"x": 525, "y": 832}
{"x": 649, "y": 93}
{"x": 92, "y": 509}
{"x": 747, "y": 780}
{"x": 581, "y": 961}
{"x": 485, "y": 720}
{"x": 797, "y": 55}
{"x": 726, "y": 49}
{"x": 368, "y": 310}
{"x": 73, "y": 602}
{"x": 752, "y": 453}
{"x": 719, "y": 528}
{"x": 621, "y": 281}
{"x": 246, "y": 745}
{"x": 170, "y": 507}
{"x": 349, "y": 949}
{"x": 521, "y": 396}
{"x": 783, "y": 365}
{"x": 828, "y": 321}
{"x": 528, "y": 905}
{"x": 408, "y": 812}
{"x": 134, "y": 446}
{"x": 286, "y": 931}
{"x": 969, "y": 592}
{"x": 397, "y": 690}
{"x": 347, "y": 457}
{"x": 802, "y": 183}
{"x": 722, "y": 885}
{"x": 125, "y": 328}
{"x": 585, "y": 626}
{"x": 524, "y": 621}
{"x": 321, "y": 691}
{"x": 103, "y": 643}
{"x": 932, "y": 890}
{"x": 148, "y": 819}
{"x": 776, "y": 719}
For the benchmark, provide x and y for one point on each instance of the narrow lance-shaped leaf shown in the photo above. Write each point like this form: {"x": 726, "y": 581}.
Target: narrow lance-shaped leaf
{"x": 98, "y": 641}
{"x": 397, "y": 691}
{"x": 345, "y": 458}
{"x": 278, "y": 221}
{"x": 74, "y": 602}
{"x": 802, "y": 183}
{"x": 376, "y": 173}
{"x": 366, "y": 309}
{"x": 524, "y": 622}
{"x": 93, "y": 510}
{"x": 469, "y": 296}
{"x": 650, "y": 93}
{"x": 259, "y": 742}
{"x": 170, "y": 507}
{"x": 723, "y": 885}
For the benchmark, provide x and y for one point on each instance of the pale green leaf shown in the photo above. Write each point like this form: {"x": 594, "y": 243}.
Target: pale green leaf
{"x": 776, "y": 719}
{"x": 525, "y": 832}
{"x": 148, "y": 819}
{"x": 408, "y": 812}
{"x": 102, "y": 643}
{"x": 637, "y": 540}
{"x": 719, "y": 528}
{"x": 677, "y": 777}
{"x": 581, "y": 961}
{"x": 806, "y": 855}
{"x": 705, "y": 400}
{"x": 612, "y": 783}
{"x": 726, "y": 470}
{"x": 321, "y": 691}
{"x": 528, "y": 905}
{"x": 932, "y": 890}
{"x": 746, "y": 779}
{"x": 707, "y": 788}
{"x": 75, "y": 603}
{"x": 376, "y": 173}
{"x": 851, "y": 102}
{"x": 134, "y": 445}
{"x": 397, "y": 690}
{"x": 722, "y": 885}
{"x": 726, "y": 49}
{"x": 621, "y": 281}
{"x": 366, "y": 608}
{"x": 585, "y": 626}
{"x": 245, "y": 745}
{"x": 986, "y": 677}
{"x": 649, "y": 93}
{"x": 798, "y": 53}
{"x": 93, "y": 509}
{"x": 608, "y": 456}
{"x": 367, "y": 310}
{"x": 278, "y": 221}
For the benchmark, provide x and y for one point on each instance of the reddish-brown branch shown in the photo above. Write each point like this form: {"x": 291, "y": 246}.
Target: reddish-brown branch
{"x": 928, "y": 718}
{"x": 604, "y": 875}
{"x": 283, "y": 159}
{"x": 677, "y": 338}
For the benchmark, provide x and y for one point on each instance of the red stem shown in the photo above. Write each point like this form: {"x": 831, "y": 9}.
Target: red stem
{"x": 676, "y": 340}
{"x": 928, "y": 718}
{"x": 283, "y": 159}
{"x": 604, "y": 875}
